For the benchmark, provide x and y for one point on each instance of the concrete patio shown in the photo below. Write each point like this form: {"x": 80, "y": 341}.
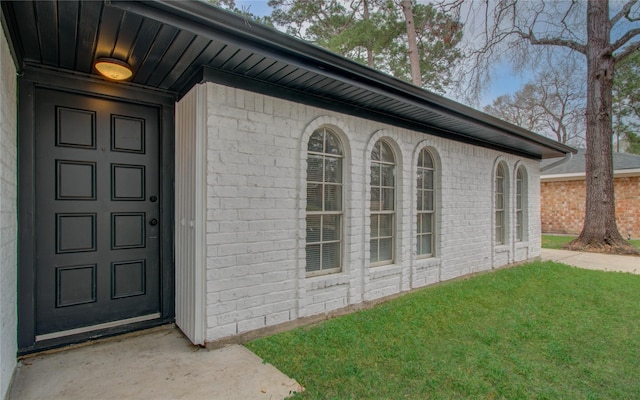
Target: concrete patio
{"x": 156, "y": 364}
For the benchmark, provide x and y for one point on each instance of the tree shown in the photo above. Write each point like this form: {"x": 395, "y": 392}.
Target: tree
{"x": 379, "y": 33}
{"x": 626, "y": 103}
{"x": 515, "y": 27}
{"x": 552, "y": 104}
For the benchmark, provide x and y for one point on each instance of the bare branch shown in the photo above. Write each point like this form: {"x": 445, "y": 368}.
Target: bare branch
{"x": 635, "y": 46}
{"x": 624, "y": 12}
{"x": 573, "y": 45}
{"x": 630, "y": 34}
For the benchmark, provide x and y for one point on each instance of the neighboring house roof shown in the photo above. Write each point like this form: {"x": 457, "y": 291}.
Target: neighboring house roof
{"x": 624, "y": 164}
{"x": 173, "y": 45}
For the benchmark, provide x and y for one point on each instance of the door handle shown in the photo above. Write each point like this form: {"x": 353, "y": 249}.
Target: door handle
{"x": 153, "y": 222}
{"x": 153, "y": 199}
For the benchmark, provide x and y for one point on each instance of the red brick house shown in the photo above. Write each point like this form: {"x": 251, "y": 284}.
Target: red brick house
{"x": 563, "y": 194}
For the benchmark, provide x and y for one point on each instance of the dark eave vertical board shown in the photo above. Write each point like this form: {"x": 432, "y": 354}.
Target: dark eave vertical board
{"x": 271, "y": 71}
{"x": 237, "y": 59}
{"x": 68, "y": 25}
{"x": 127, "y": 35}
{"x": 46, "y": 15}
{"x": 260, "y": 67}
{"x": 26, "y": 24}
{"x": 226, "y": 53}
{"x": 171, "y": 57}
{"x": 249, "y": 63}
{"x": 155, "y": 54}
{"x": 108, "y": 33}
{"x": 193, "y": 51}
{"x": 144, "y": 40}
{"x": 88, "y": 23}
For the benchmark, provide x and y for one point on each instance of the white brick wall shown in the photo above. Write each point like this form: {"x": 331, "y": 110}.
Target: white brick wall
{"x": 256, "y": 165}
{"x": 8, "y": 217}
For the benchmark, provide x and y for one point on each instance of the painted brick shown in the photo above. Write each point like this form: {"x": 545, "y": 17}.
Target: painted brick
{"x": 256, "y": 167}
{"x": 8, "y": 216}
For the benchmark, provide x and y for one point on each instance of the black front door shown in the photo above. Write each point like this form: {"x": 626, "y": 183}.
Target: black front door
{"x": 97, "y": 217}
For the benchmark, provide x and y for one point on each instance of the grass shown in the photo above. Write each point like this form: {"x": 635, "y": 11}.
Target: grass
{"x": 556, "y": 242}
{"x": 541, "y": 330}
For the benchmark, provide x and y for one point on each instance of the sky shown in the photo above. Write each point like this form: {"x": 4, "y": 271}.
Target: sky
{"x": 505, "y": 80}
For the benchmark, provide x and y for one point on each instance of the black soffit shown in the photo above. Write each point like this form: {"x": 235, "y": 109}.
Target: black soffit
{"x": 173, "y": 45}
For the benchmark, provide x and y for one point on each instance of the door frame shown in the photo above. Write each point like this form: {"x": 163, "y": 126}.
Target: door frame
{"x": 31, "y": 79}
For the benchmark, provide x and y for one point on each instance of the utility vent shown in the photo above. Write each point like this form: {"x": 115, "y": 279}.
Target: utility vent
{"x": 190, "y": 201}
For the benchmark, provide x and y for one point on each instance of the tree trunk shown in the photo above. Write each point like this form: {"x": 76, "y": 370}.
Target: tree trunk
{"x": 600, "y": 230}
{"x": 365, "y": 16}
{"x": 412, "y": 40}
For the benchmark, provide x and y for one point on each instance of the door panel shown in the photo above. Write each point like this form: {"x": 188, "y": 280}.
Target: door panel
{"x": 97, "y": 211}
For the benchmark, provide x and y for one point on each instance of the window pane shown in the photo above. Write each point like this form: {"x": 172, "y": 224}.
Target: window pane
{"x": 386, "y": 252}
{"x": 519, "y": 202}
{"x": 313, "y": 257}
{"x": 388, "y": 172}
{"x": 428, "y": 179}
{"x": 388, "y": 199}
{"x": 420, "y": 200}
{"x": 420, "y": 179}
{"x": 313, "y": 228}
{"x": 314, "y": 168}
{"x": 425, "y": 223}
{"x": 499, "y": 217}
{"x": 374, "y": 226}
{"x": 427, "y": 161}
{"x": 498, "y": 234}
{"x": 331, "y": 227}
{"x": 375, "y": 174}
{"x": 373, "y": 250}
{"x": 386, "y": 154}
{"x": 315, "y": 141}
{"x": 333, "y": 170}
{"x": 386, "y": 225}
{"x": 333, "y": 144}
{"x": 376, "y": 204}
{"x": 499, "y": 201}
{"x": 425, "y": 244}
{"x": 428, "y": 200}
{"x": 375, "y": 153}
{"x": 330, "y": 255}
{"x": 314, "y": 197}
{"x": 333, "y": 198}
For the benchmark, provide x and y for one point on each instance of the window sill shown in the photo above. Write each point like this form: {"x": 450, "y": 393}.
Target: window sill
{"x": 502, "y": 248}
{"x": 325, "y": 281}
{"x": 381, "y": 271}
{"x": 427, "y": 263}
{"x": 522, "y": 245}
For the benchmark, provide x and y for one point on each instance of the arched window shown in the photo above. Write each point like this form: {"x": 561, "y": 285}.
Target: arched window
{"x": 324, "y": 202}
{"x": 521, "y": 203}
{"x": 499, "y": 203}
{"x": 383, "y": 187}
{"x": 425, "y": 204}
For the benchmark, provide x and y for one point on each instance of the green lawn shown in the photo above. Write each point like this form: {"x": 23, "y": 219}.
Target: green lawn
{"x": 556, "y": 242}
{"x": 541, "y": 330}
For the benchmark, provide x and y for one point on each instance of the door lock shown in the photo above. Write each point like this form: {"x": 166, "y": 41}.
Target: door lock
{"x": 153, "y": 222}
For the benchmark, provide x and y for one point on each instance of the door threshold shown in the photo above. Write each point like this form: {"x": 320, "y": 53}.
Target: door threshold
{"x": 106, "y": 325}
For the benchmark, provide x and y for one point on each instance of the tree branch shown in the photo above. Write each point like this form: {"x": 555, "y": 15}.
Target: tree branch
{"x": 630, "y": 34}
{"x": 580, "y": 48}
{"x": 624, "y": 12}
{"x": 635, "y": 46}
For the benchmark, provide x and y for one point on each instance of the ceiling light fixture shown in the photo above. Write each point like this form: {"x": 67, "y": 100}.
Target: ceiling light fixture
{"x": 113, "y": 69}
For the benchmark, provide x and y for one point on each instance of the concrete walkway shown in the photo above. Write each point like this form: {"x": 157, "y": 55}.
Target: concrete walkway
{"x": 604, "y": 262}
{"x": 156, "y": 364}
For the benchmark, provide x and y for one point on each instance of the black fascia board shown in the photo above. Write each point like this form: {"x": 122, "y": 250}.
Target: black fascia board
{"x": 197, "y": 17}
